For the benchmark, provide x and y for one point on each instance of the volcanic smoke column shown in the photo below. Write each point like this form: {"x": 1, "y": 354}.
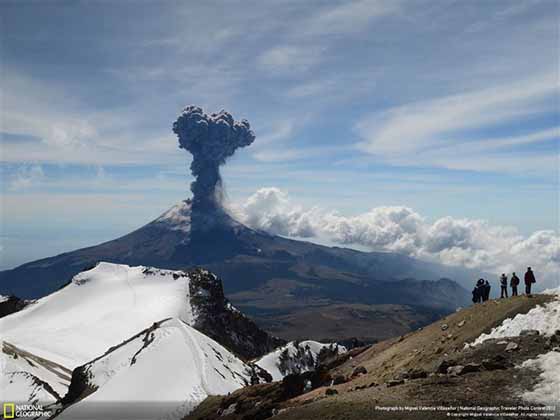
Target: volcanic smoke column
{"x": 211, "y": 139}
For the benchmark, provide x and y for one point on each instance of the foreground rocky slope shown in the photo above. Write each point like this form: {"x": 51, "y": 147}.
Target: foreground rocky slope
{"x": 434, "y": 366}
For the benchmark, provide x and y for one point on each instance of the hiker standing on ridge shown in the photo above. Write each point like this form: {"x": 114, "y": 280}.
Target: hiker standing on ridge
{"x": 514, "y": 282}
{"x": 486, "y": 290}
{"x": 529, "y": 280}
{"x": 477, "y": 291}
{"x": 503, "y": 286}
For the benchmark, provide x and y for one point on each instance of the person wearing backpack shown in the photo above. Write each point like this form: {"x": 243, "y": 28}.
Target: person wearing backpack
{"x": 529, "y": 280}
{"x": 503, "y": 286}
{"x": 514, "y": 282}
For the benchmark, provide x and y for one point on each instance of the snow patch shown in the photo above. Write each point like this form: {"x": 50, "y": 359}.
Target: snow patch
{"x": 547, "y": 391}
{"x": 545, "y": 319}
{"x": 177, "y": 217}
{"x": 295, "y": 357}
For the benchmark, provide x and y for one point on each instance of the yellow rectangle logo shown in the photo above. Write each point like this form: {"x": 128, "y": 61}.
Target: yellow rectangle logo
{"x": 9, "y": 410}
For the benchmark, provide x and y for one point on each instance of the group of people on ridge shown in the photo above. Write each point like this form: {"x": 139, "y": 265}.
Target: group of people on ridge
{"x": 481, "y": 292}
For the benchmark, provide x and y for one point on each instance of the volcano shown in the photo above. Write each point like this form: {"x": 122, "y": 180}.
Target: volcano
{"x": 293, "y": 288}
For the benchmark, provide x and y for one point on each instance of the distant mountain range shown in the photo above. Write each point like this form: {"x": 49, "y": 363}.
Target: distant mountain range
{"x": 272, "y": 278}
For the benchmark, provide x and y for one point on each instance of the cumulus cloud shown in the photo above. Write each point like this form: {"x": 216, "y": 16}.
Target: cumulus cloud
{"x": 458, "y": 242}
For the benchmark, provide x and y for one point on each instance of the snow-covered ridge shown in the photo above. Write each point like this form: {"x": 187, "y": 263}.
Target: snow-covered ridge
{"x": 99, "y": 309}
{"x": 27, "y": 378}
{"x": 170, "y": 363}
{"x": 295, "y": 357}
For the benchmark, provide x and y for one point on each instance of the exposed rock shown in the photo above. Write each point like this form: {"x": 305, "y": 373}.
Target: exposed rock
{"x": 218, "y": 319}
{"x": 331, "y": 391}
{"x": 512, "y": 347}
{"x": 339, "y": 379}
{"x": 444, "y": 327}
{"x": 460, "y": 324}
{"x": 471, "y": 367}
{"x": 528, "y": 332}
{"x": 417, "y": 374}
{"x": 360, "y": 370}
{"x": 394, "y": 382}
{"x": 443, "y": 366}
{"x": 455, "y": 370}
{"x": 11, "y": 304}
{"x": 497, "y": 363}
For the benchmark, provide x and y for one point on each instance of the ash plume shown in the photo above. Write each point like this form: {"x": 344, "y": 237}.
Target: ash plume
{"x": 211, "y": 139}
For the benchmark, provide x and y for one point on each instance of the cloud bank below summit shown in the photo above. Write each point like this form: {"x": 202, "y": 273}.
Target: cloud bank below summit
{"x": 457, "y": 242}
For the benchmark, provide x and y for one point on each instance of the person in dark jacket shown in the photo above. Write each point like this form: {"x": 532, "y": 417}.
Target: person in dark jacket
{"x": 475, "y": 295}
{"x": 478, "y": 291}
{"x": 486, "y": 290}
{"x": 529, "y": 280}
{"x": 503, "y": 286}
{"x": 514, "y": 282}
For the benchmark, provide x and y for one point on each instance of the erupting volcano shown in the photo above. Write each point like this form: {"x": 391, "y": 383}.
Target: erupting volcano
{"x": 279, "y": 281}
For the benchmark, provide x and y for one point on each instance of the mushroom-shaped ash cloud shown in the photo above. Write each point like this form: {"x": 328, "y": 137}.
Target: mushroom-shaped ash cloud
{"x": 211, "y": 139}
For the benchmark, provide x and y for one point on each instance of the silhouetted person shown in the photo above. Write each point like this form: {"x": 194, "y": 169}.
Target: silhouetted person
{"x": 478, "y": 291}
{"x": 514, "y": 282}
{"x": 529, "y": 280}
{"x": 475, "y": 295}
{"x": 486, "y": 290}
{"x": 503, "y": 286}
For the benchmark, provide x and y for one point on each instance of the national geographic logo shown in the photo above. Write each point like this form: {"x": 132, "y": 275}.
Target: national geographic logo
{"x": 9, "y": 410}
{"x": 13, "y": 411}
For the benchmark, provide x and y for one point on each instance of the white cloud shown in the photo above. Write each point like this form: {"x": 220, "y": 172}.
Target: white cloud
{"x": 351, "y": 16}
{"x": 458, "y": 242}
{"x": 27, "y": 176}
{"x": 287, "y": 59}
{"x": 416, "y": 127}
{"x": 432, "y": 132}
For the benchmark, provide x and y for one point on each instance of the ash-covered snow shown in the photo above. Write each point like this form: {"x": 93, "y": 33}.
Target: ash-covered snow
{"x": 547, "y": 391}
{"x": 99, "y": 309}
{"x": 545, "y": 319}
{"x": 295, "y": 357}
{"x": 177, "y": 217}
{"x": 170, "y": 364}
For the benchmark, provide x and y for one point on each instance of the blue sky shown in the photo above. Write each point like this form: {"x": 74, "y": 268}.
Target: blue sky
{"x": 450, "y": 108}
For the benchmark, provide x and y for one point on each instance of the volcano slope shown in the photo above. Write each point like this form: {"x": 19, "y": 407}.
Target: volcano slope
{"x": 431, "y": 367}
{"x": 283, "y": 284}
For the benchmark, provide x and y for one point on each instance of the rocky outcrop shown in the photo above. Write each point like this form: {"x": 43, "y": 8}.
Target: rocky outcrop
{"x": 11, "y": 304}
{"x": 216, "y": 317}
